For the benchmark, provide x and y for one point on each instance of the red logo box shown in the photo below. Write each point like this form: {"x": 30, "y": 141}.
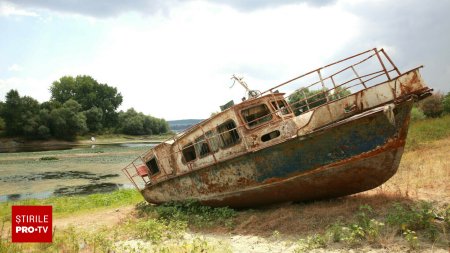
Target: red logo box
{"x": 31, "y": 224}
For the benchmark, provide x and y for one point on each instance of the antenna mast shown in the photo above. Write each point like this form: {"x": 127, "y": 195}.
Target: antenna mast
{"x": 250, "y": 93}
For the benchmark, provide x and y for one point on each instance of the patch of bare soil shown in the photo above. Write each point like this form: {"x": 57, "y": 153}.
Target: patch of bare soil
{"x": 96, "y": 219}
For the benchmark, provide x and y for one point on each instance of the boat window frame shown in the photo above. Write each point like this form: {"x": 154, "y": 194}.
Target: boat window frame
{"x": 246, "y": 123}
{"x": 150, "y": 168}
{"x": 234, "y": 130}
{"x": 213, "y": 140}
{"x": 190, "y": 145}
{"x": 199, "y": 144}
{"x": 285, "y": 110}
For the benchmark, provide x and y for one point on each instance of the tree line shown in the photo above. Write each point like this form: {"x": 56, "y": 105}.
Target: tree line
{"x": 78, "y": 105}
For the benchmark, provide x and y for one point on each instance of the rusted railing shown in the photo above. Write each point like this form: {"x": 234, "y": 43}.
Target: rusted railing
{"x": 372, "y": 69}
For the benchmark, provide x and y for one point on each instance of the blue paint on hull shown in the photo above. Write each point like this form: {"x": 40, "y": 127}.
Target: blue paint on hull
{"x": 326, "y": 147}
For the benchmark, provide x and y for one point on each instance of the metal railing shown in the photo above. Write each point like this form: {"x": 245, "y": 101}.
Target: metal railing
{"x": 344, "y": 78}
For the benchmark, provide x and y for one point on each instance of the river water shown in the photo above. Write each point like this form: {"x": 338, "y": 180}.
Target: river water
{"x": 44, "y": 171}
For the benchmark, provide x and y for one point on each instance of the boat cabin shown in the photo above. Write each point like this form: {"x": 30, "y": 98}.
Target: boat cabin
{"x": 253, "y": 124}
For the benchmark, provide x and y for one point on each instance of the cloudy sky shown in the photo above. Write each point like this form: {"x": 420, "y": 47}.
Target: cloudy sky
{"x": 174, "y": 58}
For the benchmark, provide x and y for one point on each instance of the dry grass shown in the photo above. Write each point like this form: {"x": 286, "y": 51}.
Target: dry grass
{"x": 424, "y": 173}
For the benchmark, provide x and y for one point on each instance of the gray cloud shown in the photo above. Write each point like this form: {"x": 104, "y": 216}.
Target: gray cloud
{"x": 417, "y": 30}
{"x": 251, "y": 5}
{"x": 96, "y": 8}
{"x": 111, "y": 8}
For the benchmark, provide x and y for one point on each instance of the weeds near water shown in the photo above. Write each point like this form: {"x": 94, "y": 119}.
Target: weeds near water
{"x": 191, "y": 212}
{"x": 48, "y": 158}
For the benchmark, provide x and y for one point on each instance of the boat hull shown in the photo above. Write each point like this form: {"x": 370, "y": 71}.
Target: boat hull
{"x": 347, "y": 157}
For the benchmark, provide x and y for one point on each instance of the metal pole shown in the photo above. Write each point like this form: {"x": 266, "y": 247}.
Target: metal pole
{"x": 362, "y": 82}
{"x": 323, "y": 85}
{"x": 382, "y": 64}
{"x": 390, "y": 61}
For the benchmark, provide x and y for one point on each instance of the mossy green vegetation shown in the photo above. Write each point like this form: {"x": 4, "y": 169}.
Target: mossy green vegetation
{"x": 189, "y": 211}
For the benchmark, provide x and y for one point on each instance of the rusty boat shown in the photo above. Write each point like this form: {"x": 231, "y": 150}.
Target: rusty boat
{"x": 340, "y": 130}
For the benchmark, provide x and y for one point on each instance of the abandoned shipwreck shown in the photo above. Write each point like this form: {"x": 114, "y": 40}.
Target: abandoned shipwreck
{"x": 340, "y": 131}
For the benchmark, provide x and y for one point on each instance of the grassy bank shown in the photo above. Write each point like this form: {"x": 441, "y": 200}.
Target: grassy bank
{"x": 68, "y": 205}
{"x": 427, "y": 130}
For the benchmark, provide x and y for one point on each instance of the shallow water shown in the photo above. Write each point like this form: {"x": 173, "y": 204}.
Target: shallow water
{"x": 75, "y": 171}
{"x": 35, "y": 148}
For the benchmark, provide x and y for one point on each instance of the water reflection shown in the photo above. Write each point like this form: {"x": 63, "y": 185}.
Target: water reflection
{"x": 16, "y": 197}
{"x": 47, "y": 175}
{"x": 68, "y": 191}
{"x": 87, "y": 189}
{"x": 35, "y": 148}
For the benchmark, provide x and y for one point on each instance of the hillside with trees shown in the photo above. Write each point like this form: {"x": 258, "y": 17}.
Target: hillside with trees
{"x": 78, "y": 105}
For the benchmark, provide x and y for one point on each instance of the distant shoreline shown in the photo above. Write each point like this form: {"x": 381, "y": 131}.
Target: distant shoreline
{"x": 7, "y": 143}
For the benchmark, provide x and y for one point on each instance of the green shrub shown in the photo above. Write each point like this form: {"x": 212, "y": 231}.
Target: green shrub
{"x": 311, "y": 242}
{"x": 414, "y": 218}
{"x": 446, "y": 103}
{"x": 417, "y": 114}
{"x": 411, "y": 238}
{"x": 432, "y": 106}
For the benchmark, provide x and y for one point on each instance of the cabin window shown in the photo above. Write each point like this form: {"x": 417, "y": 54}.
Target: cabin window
{"x": 152, "y": 165}
{"x": 256, "y": 115}
{"x": 213, "y": 140}
{"x": 189, "y": 152}
{"x": 228, "y": 134}
{"x": 270, "y": 136}
{"x": 201, "y": 146}
{"x": 282, "y": 107}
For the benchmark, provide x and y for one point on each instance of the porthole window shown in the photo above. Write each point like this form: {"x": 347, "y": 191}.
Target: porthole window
{"x": 270, "y": 136}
